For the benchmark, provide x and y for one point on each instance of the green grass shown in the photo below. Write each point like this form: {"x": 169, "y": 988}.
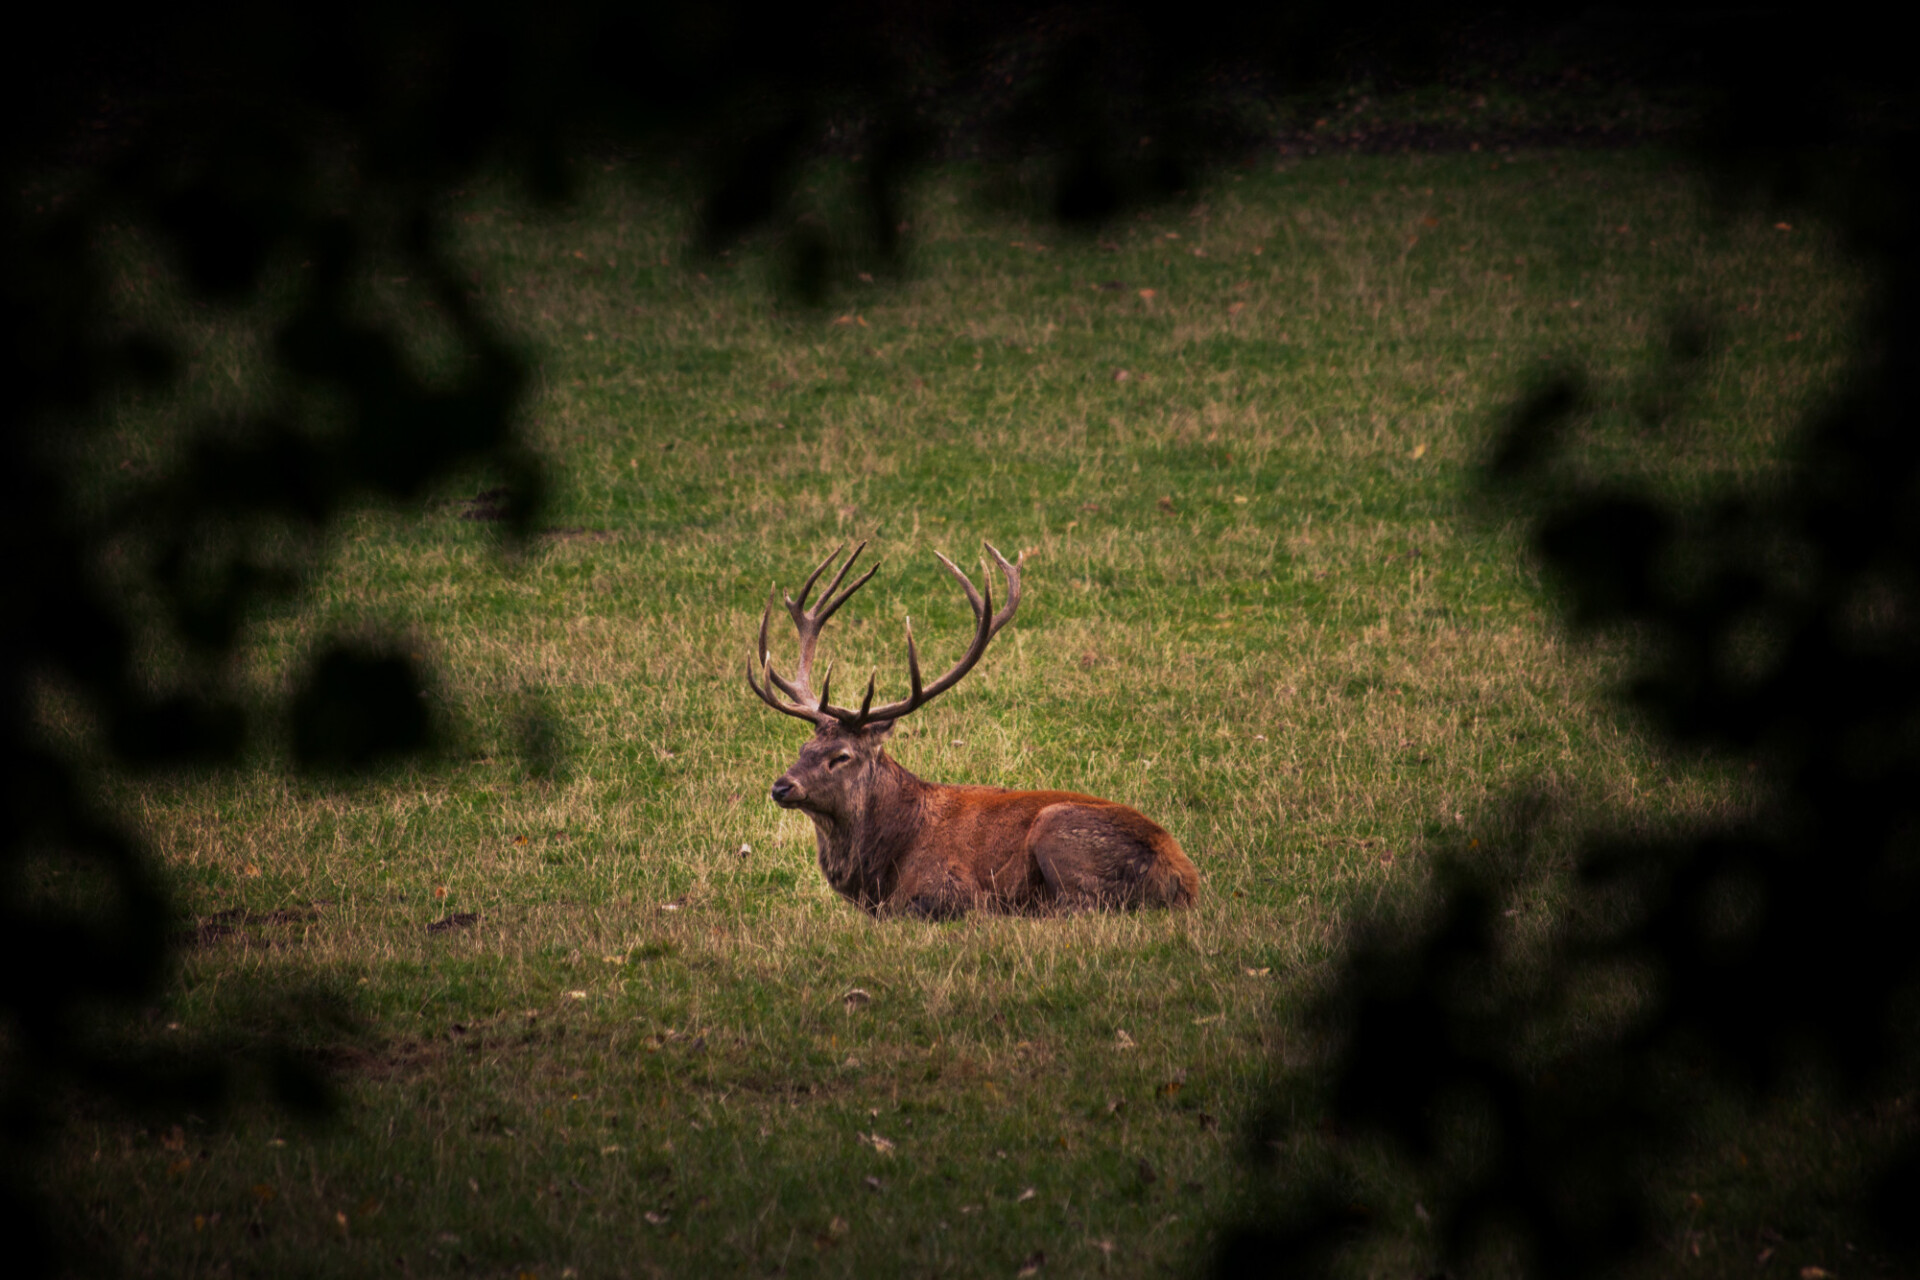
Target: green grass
{"x": 1266, "y": 603}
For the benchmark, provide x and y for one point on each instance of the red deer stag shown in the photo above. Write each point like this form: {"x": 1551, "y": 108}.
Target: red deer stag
{"x": 895, "y": 844}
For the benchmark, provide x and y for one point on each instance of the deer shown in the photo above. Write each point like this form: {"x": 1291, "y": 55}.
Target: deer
{"x": 896, "y": 845}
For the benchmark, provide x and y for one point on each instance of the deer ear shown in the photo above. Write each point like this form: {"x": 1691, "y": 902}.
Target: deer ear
{"x": 878, "y": 730}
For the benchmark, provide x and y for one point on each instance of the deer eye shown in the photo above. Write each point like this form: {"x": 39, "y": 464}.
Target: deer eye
{"x": 836, "y": 761}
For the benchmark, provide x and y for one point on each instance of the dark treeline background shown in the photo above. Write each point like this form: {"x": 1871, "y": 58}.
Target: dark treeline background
{"x": 234, "y": 138}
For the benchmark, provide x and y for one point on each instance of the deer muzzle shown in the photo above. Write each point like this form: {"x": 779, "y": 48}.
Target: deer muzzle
{"x": 786, "y": 794}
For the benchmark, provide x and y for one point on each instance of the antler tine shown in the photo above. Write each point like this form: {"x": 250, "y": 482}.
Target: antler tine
{"x": 966, "y": 584}
{"x": 828, "y": 602}
{"x": 773, "y": 678}
{"x": 1012, "y": 574}
{"x": 795, "y": 689}
{"x": 835, "y": 584}
{"x": 766, "y": 674}
{"x": 807, "y": 586}
{"x": 913, "y": 667}
{"x": 766, "y": 617}
{"x": 832, "y": 603}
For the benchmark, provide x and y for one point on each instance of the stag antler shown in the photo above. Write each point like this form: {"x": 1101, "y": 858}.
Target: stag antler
{"x": 806, "y": 706}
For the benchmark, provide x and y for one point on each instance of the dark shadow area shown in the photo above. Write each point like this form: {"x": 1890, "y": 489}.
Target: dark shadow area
{"x": 542, "y": 739}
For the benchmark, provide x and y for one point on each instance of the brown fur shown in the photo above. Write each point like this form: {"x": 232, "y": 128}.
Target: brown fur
{"x": 892, "y": 843}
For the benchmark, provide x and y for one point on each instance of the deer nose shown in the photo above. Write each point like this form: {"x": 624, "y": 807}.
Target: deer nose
{"x": 781, "y": 790}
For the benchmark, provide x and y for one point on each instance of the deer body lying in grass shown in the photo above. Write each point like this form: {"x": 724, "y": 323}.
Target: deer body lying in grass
{"x": 895, "y": 844}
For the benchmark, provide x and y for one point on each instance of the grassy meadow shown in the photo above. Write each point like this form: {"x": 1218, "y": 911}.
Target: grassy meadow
{"x": 1238, "y": 440}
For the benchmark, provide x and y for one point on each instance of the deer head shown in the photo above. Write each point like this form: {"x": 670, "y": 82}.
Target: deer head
{"x": 836, "y": 766}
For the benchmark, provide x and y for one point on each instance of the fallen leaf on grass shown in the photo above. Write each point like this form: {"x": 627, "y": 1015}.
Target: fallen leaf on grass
{"x": 1258, "y": 973}
{"x": 656, "y": 1217}
{"x": 576, "y": 995}
{"x": 439, "y": 891}
{"x": 1025, "y": 1196}
{"x": 251, "y": 871}
{"x": 1148, "y": 295}
{"x": 1235, "y": 308}
{"x": 856, "y": 998}
{"x": 1166, "y": 504}
{"x": 1031, "y": 1264}
{"x": 875, "y": 1185}
{"x": 883, "y": 1145}
{"x": 1121, "y": 1040}
{"x": 459, "y": 920}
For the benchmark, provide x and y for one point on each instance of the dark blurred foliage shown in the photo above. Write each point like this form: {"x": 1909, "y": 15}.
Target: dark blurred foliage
{"x": 1776, "y": 629}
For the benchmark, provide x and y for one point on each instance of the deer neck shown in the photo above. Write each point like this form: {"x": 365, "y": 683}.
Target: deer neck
{"x": 861, "y": 849}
